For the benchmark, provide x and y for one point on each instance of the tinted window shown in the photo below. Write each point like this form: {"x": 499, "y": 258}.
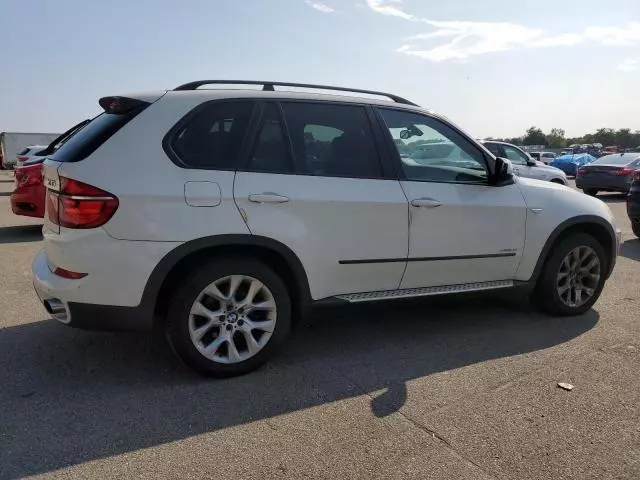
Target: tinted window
{"x": 212, "y": 135}
{"x": 432, "y": 151}
{"x": 333, "y": 140}
{"x": 515, "y": 155}
{"x": 24, "y": 151}
{"x": 271, "y": 151}
{"x": 92, "y": 136}
{"x": 616, "y": 159}
{"x": 494, "y": 148}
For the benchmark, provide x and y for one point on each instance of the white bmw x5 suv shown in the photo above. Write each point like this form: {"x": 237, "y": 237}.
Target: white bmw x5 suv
{"x": 221, "y": 215}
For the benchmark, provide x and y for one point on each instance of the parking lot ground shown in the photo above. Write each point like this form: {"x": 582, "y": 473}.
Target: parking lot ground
{"x": 443, "y": 388}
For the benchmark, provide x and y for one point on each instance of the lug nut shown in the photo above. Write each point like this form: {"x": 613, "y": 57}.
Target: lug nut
{"x": 229, "y": 328}
{"x": 240, "y": 323}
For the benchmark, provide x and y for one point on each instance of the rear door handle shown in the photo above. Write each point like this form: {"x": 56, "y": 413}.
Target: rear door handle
{"x": 425, "y": 202}
{"x": 267, "y": 197}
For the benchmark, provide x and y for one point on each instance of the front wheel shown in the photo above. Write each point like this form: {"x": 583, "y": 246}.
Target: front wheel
{"x": 572, "y": 277}
{"x": 229, "y": 317}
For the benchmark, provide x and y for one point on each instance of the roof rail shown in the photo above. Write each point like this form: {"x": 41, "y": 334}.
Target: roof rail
{"x": 269, "y": 86}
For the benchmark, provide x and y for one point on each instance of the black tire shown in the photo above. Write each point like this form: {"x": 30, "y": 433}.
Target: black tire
{"x": 635, "y": 226}
{"x": 546, "y": 295}
{"x": 592, "y": 192}
{"x": 177, "y": 324}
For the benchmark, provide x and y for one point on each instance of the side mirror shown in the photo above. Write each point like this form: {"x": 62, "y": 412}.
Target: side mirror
{"x": 531, "y": 163}
{"x": 502, "y": 172}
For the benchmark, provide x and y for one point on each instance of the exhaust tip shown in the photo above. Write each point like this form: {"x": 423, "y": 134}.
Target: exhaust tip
{"x": 57, "y": 309}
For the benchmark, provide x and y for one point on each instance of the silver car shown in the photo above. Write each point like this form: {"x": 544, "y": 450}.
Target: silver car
{"x": 524, "y": 165}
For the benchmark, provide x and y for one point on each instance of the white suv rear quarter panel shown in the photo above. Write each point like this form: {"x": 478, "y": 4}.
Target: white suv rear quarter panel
{"x": 150, "y": 188}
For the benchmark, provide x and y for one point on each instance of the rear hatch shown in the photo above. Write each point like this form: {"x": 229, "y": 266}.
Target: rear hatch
{"x": 605, "y": 174}
{"x": 68, "y": 196}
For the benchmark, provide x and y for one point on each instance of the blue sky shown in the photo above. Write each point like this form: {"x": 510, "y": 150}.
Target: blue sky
{"x": 495, "y": 67}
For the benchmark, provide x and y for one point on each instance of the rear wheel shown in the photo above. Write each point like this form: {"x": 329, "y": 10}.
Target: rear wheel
{"x": 635, "y": 226}
{"x": 592, "y": 192}
{"x": 229, "y": 318}
{"x": 572, "y": 277}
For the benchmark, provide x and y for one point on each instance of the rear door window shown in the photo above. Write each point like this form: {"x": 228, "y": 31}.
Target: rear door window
{"x": 333, "y": 140}
{"x": 24, "y": 151}
{"x": 211, "y": 136}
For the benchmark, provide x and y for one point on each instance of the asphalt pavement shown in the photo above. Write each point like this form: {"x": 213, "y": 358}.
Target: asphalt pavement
{"x": 455, "y": 388}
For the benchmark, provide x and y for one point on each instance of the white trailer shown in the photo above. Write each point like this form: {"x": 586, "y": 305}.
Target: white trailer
{"x": 11, "y": 143}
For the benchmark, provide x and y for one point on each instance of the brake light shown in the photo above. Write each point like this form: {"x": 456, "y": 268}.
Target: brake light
{"x": 581, "y": 171}
{"x": 22, "y": 158}
{"x": 31, "y": 175}
{"x": 625, "y": 171}
{"x": 79, "y": 205}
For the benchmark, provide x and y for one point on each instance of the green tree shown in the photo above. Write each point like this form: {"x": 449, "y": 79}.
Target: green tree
{"x": 624, "y": 138}
{"x": 556, "y": 139}
{"x": 534, "y": 136}
{"x": 605, "y": 136}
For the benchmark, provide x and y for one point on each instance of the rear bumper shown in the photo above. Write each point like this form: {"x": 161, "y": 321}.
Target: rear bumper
{"x": 617, "y": 185}
{"x": 51, "y": 291}
{"x": 633, "y": 209}
{"x": 28, "y": 201}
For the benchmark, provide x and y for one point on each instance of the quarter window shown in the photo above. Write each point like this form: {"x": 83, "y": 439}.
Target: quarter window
{"x": 211, "y": 137}
{"x": 432, "y": 151}
{"x": 332, "y": 140}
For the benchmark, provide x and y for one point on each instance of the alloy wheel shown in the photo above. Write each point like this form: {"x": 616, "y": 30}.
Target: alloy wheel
{"x": 578, "y": 276}
{"x": 232, "y": 319}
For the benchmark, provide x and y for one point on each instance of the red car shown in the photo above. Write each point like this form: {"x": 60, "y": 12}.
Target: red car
{"x": 28, "y": 196}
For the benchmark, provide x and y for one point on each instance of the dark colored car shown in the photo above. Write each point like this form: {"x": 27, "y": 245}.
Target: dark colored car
{"x": 28, "y": 197}
{"x": 611, "y": 173}
{"x": 633, "y": 205}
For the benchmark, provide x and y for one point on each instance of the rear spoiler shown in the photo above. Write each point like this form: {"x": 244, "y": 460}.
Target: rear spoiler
{"x": 121, "y": 105}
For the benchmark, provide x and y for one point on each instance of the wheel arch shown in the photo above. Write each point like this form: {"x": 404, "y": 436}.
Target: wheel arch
{"x": 593, "y": 225}
{"x": 177, "y": 263}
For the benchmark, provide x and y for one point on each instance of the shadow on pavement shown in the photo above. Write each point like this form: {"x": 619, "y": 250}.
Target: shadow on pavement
{"x": 70, "y": 396}
{"x": 631, "y": 249}
{"x": 613, "y": 197}
{"x": 21, "y": 233}
{"x": 5, "y": 194}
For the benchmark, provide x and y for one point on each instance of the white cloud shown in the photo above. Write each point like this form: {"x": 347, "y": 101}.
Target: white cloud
{"x": 629, "y": 35}
{"x": 321, "y": 7}
{"x": 630, "y": 65}
{"x": 466, "y": 38}
{"x": 384, "y": 7}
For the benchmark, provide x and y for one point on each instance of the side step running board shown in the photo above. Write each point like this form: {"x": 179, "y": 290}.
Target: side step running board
{"x": 425, "y": 291}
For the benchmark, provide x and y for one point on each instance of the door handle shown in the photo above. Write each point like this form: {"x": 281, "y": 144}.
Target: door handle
{"x": 425, "y": 202}
{"x": 267, "y": 197}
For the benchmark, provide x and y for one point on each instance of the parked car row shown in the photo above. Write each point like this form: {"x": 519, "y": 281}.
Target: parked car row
{"x": 266, "y": 203}
{"x": 28, "y": 197}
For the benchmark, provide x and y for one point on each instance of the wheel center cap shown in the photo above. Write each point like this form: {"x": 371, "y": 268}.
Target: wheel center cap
{"x": 232, "y": 317}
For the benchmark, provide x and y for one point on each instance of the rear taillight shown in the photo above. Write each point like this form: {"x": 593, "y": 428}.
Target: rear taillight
{"x": 78, "y": 205}
{"x": 22, "y": 158}
{"x": 625, "y": 171}
{"x": 581, "y": 171}
{"x": 31, "y": 175}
